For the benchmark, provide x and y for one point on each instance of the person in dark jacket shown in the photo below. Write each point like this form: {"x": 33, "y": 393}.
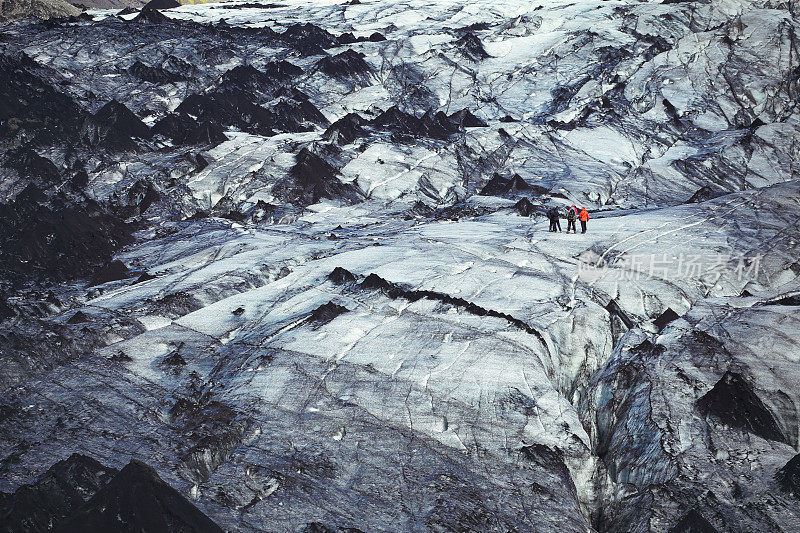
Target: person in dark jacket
{"x": 583, "y": 216}
{"x": 572, "y": 216}
{"x": 555, "y": 221}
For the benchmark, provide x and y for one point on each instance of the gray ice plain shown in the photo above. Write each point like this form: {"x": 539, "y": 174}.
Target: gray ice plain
{"x": 341, "y": 309}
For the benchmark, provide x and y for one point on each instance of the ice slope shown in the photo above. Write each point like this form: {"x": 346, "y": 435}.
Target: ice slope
{"x": 617, "y": 103}
{"x": 416, "y": 388}
{"x": 402, "y": 353}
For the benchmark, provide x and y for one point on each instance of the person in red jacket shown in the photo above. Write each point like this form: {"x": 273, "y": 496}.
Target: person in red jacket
{"x": 583, "y": 217}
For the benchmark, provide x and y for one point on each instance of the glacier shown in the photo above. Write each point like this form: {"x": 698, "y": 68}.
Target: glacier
{"x": 334, "y": 304}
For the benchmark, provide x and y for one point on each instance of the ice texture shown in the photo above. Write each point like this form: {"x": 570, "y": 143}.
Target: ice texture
{"x": 325, "y": 296}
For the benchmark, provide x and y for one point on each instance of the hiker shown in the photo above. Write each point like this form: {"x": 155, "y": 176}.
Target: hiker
{"x": 572, "y": 214}
{"x": 583, "y": 216}
{"x": 555, "y": 222}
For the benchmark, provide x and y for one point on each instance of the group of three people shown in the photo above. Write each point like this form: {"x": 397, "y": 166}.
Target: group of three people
{"x": 573, "y": 214}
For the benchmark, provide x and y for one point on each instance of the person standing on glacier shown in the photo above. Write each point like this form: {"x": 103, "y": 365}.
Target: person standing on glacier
{"x": 555, "y": 221}
{"x": 583, "y": 216}
{"x": 572, "y": 215}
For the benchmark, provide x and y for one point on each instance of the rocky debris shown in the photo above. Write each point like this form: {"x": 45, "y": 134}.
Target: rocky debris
{"x": 37, "y": 169}
{"x": 296, "y": 114}
{"x": 112, "y": 271}
{"x": 281, "y": 72}
{"x": 31, "y": 346}
{"x": 562, "y": 96}
{"x": 78, "y": 318}
{"x": 120, "y": 357}
{"x": 471, "y": 47}
{"x": 246, "y": 78}
{"x": 395, "y": 291}
{"x": 199, "y": 161}
{"x": 6, "y": 311}
{"x": 341, "y": 276}
{"x": 675, "y": 120}
{"x": 524, "y": 207}
{"x": 42, "y": 9}
{"x": 546, "y": 458}
{"x": 137, "y": 499}
{"x": 32, "y": 194}
{"x": 148, "y": 15}
{"x": 182, "y": 129}
{"x": 349, "y": 38}
{"x": 174, "y": 359}
{"x": 227, "y": 208}
{"x": 655, "y": 44}
{"x": 647, "y": 349}
{"x": 473, "y": 27}
{"x": 793, "y": 300}
{"x": 734, "y": 402}
{"x": 788, "y": 477}
{"x": 197, "y": 215}
{"x": 157, "y": 75}
{"x": 450, "y": 212}
{"x": 173, "y": 305}
{"x": 347, "y": 66}
{"x": 346, "y": 130}
{"x": 57, "y": 242}
{"x": 665, "y": 318}
{"x": 263, "y": 211}
{"x": 141, "y": 196}
{"x": 179, "y": 66}
{"x": 693, "y": 522}
{"x": 309, "y": 39}
{"x": 499, "y": 186}
{"x": 55, "y": 496}
{"x": 80, "y": 179}
{"x": 114, "y": 128}
{"x": 211, "y": 429}
{"x": 312, "y": 179}
{"x": 465, "y": 119}
{"x": 433, "y": 125}
{"x": 327, "y": 312}
{"x": 162, "y": 4}
{"x": 515, "y": 185}
{"x": 136, "y": 200}
{"x": 233, "y": 108}
{"x": 291, "y": 93}
{"x": 32, "y": 108}
{"x": 145, "y": 276}
{"x": 703, "y": 194}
